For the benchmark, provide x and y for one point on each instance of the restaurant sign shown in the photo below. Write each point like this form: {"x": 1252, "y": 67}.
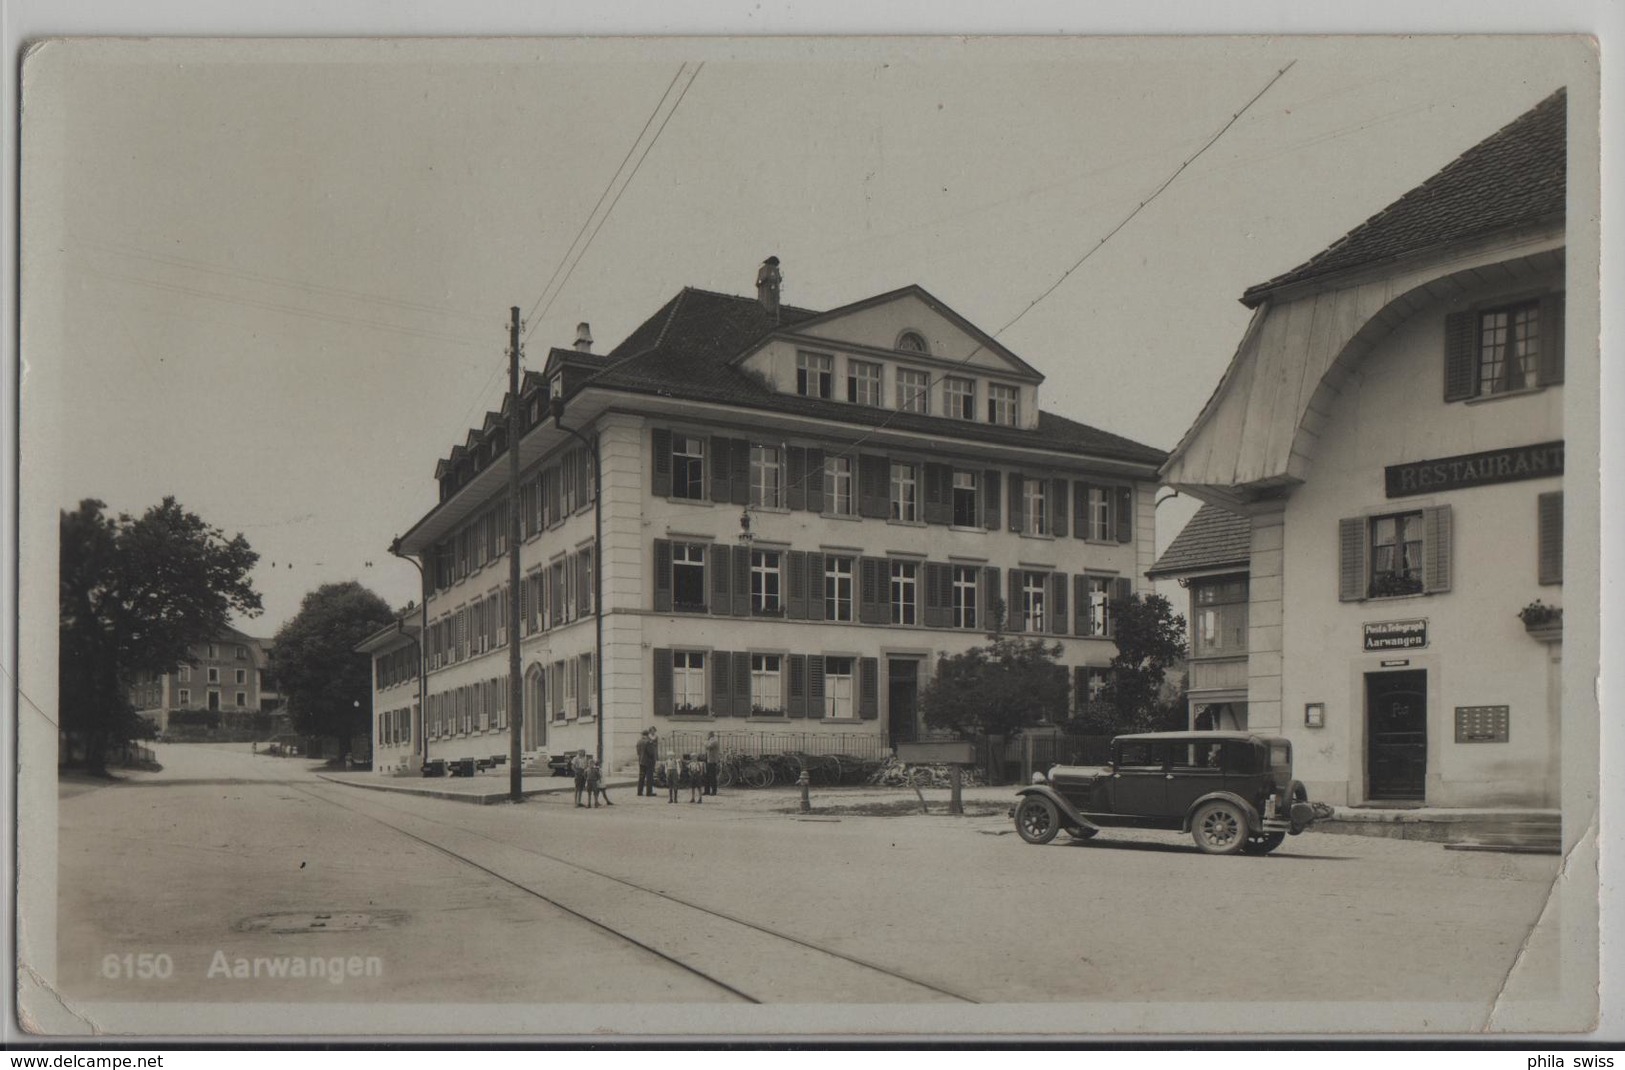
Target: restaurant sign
{"x": 1475, "y": 469}
{"x": 1396, "y": 635}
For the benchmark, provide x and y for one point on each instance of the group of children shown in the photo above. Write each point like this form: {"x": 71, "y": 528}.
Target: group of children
{"x": 690, "y": 769}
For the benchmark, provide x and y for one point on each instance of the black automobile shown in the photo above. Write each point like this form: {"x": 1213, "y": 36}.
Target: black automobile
{"x": 1232, "y": 791}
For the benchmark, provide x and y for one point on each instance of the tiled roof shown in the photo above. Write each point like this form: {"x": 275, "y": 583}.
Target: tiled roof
{"x": 683, "y": 351}
{"x": 1213, "y": 538}
{"x": 1512, "y": 178}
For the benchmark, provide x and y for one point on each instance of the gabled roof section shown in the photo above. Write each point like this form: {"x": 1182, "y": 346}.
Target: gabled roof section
{"x": 983, "y": 339}
{"x": 1515, "y": 177}
{"x": 1213, "y": 538}
{"x": 686, "y": 351}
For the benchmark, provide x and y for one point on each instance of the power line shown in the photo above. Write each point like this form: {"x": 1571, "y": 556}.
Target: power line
{"x": 607, "y": 187}
{"x": 610, "y": 210}
{"x": 851, "y": 450}
{"x": 203, "y": 266}
{"x": 502, "y": 367}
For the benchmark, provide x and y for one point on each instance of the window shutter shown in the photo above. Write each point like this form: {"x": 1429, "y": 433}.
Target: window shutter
{"x": 871, "y": 603}
{"x": 741, "y": 599}
{"x": 1351, "y": 566}
{"x": 796, "y": 491}
{"x": 1122, "y": 591}
{"x": 938, "y": 478}
{"x": 874, "y": 486}
{"x": 1460, "y": 356}
{"x": 1014, "y": 616}
{"x": 742, "y": 696}
{"x": 990, "y": 500}
{"x": 716, "y": 563}
{"x": 583, "y": 583}
{"x": 1125, "y": 514}
{"x": 662, "y": 576}
{"x": 937, "y": 614}
{"x": 721, "y": 468}
{"x": 796, "y": 606}
{"x": 660, "y": 461}
{"x": 1436, "y": 549}
{"x": 815, "y": 686}
{"x": 1549, "y": 509}
{"x": 1080, "y": 511}
{"x": 1015, "y": 501}
{"x": 740, "y": 464}
{"x": 1080, "y": 605}
{"x": 797, "y": 705}
{"x": 869, "y": 688}
{"x": 815, "y": 586}
{"x": 721, "y": 698}
{"x": 1058, "y": 508}
{"x": 1057, "y": 608}
{"x": 528, "y": 624}
{"x": 1551, "y": 339}
{"x": 815, "y": 479}
{"x": 991, "y": 598}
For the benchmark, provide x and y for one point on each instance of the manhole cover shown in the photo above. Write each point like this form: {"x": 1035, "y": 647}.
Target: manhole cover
{"x": 337, "y": 921}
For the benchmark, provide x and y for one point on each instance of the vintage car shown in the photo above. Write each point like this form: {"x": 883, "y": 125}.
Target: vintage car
{"x": 1232, "y": 791}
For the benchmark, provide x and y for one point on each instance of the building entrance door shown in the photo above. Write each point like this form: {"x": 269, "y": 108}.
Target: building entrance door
{"x": 1397, "y": 734}
{"x": 902, "y": 700}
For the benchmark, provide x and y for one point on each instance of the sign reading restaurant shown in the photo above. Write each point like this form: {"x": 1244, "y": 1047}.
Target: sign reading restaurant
{"x": 1396, "y": 635}
{"x": 1475, "y": 469}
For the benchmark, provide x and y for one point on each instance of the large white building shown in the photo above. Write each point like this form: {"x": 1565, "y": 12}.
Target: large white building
{"x": 1391, "y": 428}
{"x": 801, "y": 512}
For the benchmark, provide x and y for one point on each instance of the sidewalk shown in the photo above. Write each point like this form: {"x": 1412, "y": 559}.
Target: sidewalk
{"x": 483, "y": 789}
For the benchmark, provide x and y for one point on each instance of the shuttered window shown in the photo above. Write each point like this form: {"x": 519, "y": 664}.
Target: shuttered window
{"x": 1549, "y": 510}
{"x": 1504, "y": 349}
{"x": 1394, "y": 554}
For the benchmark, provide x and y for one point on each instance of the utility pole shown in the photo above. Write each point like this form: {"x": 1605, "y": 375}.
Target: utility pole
{"x": 516, "y": 695}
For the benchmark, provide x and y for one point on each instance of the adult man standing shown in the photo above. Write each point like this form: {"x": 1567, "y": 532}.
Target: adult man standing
{"x": 646, "y": 762}
{"x": 713, "y": 762}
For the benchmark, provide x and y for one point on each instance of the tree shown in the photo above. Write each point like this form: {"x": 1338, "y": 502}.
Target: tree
{"x": 997, "y": 689}
{"x": 328, "y": 684}
{"x": 1150, "y": 639}
{"x": 135, "y": 594}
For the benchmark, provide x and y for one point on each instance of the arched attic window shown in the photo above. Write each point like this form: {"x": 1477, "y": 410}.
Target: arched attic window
{"x": 912, "y": 342}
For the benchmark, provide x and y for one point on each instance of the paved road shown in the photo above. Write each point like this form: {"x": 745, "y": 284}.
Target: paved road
{"x": 226, "y": 855}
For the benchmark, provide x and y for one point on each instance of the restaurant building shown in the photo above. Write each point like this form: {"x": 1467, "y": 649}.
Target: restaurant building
{"x": 1391, "y": 430}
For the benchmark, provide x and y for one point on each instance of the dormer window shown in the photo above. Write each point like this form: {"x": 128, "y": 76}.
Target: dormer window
{"x": 913, "y": 391}
{"x": 959, "y": 397}
{"x": 815, "y": 375}
{"x": 862, "y": 382}
{"x": 1001, "y": 404}
{"x": 912, "y": 342}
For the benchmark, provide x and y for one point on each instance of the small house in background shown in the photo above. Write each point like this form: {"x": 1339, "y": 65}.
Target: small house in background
{"x": 1391, "y": 429}
{"x": 1210, "y": 558}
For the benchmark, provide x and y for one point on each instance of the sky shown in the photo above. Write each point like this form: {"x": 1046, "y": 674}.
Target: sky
{"x": 272, "y": 279}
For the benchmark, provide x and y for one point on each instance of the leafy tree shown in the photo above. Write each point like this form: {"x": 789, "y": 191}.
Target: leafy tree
{"x": 327, "y": 684}
{"x": 997, "y": 689}
{"x": 135, "y": 593}
{"x": 1150, "y": 639}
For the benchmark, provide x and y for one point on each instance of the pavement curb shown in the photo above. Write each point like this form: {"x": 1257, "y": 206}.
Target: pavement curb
{"x": 491, "y": 798}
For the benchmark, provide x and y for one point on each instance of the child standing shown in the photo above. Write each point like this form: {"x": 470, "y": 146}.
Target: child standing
{"x": 595, "y": 785}
{"x": 696, "y": 780}
{"x": 674, "y": 773}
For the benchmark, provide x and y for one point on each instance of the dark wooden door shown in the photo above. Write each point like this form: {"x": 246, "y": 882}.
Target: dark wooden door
{"x": 902, "y": 700}
{"x": 1397, "y": 735}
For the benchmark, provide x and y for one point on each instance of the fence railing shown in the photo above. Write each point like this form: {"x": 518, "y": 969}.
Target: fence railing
{"x": 861, "y": 745}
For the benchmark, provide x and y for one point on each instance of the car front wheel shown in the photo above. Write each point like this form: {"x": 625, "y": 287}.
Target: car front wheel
{"x": 1037, "y": 820}
{"x": 1220, "y": 828}
{"x": 1263, "y": 845}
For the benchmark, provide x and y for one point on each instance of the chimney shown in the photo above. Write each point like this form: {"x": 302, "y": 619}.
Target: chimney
{"x": 583, "y": 338}
{"x": 767, "y": 286}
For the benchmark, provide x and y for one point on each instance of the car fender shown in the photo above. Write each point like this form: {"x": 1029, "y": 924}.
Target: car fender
{"x": 1255, "y": 823}
{"x": 1069, "y": 815}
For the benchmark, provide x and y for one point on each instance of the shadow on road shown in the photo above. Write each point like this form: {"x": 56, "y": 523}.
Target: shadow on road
{"x": 1098, "y": 844}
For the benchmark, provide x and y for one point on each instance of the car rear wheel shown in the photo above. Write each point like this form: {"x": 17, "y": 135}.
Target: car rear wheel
{"x": 1264, "y": 844}
{"x": 1037, "y": 820}
{"x": 1220, "y": 828}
